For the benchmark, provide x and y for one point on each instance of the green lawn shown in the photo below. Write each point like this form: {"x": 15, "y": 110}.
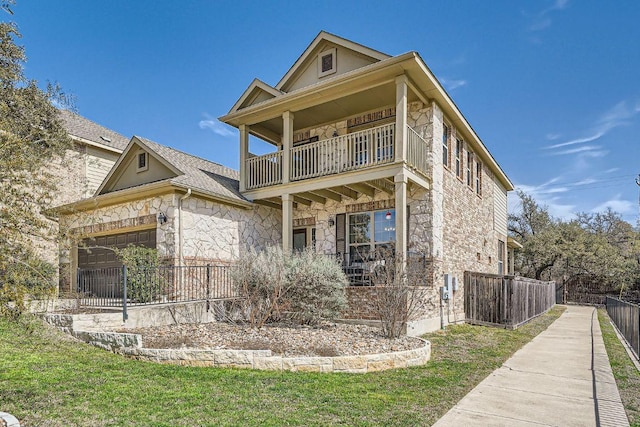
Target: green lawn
{"x": 46, "y": 379}
{"x": 626, "y": 375}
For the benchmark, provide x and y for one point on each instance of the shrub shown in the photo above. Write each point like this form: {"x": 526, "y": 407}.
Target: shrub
{"x": 307, "y": 287}
{"x": 317, "y": 289}
{"x": 143, "y": 284}
{"x": 23, "y": 280}
{"x": 260, "y": 280}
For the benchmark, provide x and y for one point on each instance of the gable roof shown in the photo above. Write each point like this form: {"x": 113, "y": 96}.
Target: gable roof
{"x": 314, "y": 47}
{"x": 89, "y": 132}
{"x": 253, "y": 92}
{"x": 190, "y": 172}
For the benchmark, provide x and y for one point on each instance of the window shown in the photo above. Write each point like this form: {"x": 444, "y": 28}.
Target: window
{"x": 500, "y": 257}
{"x": 445, "y": 145}
{"x": 458, "y": 158}
{"x": 143, "y": 163}
{"x": 470, "y": 169}
{"x": 369, "y": 231}
{"x": 479, "y": 178}
{"x": 327, "y": 62}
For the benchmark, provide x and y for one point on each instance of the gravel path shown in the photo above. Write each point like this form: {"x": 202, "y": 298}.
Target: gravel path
{"x": 329, "y": 339}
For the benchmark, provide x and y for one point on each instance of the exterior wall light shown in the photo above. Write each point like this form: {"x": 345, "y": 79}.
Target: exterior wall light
{"x": 331, "y": 222}
{"x": 162, "y": 218}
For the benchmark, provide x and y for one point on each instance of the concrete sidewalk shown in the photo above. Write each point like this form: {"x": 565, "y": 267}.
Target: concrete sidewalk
{"x": 561, "y": 378}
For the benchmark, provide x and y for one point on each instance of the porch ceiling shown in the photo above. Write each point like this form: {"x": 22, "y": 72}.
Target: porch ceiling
{"x": 332, "y": 111}
{"x": 337, "y": 193}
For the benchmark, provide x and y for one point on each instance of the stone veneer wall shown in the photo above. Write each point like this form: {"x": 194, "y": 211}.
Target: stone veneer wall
{"x": 213, "y": 231}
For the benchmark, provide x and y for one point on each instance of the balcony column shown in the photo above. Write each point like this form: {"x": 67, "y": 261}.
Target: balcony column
{"x": 401, "y": 219}
{"x": 287, "y": 143}
{"x": 401, "y": 118}
{"x": 244, "y": 153}
{"x": 287, "y": 222}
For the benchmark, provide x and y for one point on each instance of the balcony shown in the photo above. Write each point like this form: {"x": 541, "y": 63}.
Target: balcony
{"x": 346, "y": 153}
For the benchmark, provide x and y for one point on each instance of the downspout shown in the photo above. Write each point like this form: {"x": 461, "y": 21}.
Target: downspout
{"x": 180, "y": 256}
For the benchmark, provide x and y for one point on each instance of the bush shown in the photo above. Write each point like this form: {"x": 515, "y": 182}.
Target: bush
{"x": 307, "y": 287}
{"x": 143, "y": 284}
{"x": 20, "y": 281}
{"x": 317, "y": 287}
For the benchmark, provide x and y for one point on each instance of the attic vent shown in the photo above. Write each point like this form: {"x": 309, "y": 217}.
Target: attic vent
{"x": 104, "y": 138}
{"x": 327, "y": 62}
{"x": 142, "y": 161}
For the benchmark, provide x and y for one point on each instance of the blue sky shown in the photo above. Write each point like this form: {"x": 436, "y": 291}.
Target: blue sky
{"x": 551, "y": 86}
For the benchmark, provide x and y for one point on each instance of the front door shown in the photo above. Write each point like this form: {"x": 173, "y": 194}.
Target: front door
{"x": 299, "y": 239}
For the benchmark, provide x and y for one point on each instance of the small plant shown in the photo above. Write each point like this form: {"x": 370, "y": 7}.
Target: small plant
{"x": 143, "y": 283}
{"x": 400, "y": 294}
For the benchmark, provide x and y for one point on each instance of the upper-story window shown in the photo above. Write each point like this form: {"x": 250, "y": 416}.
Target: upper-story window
{"x": 479, "y": 178}
{"x": 470, "y": 168}
{"x": 445, "y": 145}
{"x": 327, "y": 62}
{"x": 459, "y": 158}
{"x": 142, "y": 161}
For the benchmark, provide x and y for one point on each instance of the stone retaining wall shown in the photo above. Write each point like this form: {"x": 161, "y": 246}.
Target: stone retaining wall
{"x": 131, "y": 345}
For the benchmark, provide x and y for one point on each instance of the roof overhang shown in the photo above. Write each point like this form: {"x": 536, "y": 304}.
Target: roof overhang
{"x": 514, "y": 244}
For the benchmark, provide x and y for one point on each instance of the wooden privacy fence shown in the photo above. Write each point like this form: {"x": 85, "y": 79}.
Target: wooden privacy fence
{"x": 626, "y": 317}
{"x": 506, "y": 301}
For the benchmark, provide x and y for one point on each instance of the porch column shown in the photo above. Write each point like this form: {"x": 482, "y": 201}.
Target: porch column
{"x": 401, "y": 118}
{"x": 401, "y": 219}
{"x": 287, "y": 143}
{"x": 244, "y": 152}
{"x": 287, "y": 222}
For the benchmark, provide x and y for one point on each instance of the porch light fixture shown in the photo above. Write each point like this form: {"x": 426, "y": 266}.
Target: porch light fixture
{"x": 331, "y": 222}
{"x": 162, "y": 218}
{"x": 388, "y": 215}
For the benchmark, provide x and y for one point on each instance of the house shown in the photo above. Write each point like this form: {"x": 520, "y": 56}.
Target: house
{"x": 95, "y": 150}
{"x": 188, "y": 208}
{"x": 368, "y": 152}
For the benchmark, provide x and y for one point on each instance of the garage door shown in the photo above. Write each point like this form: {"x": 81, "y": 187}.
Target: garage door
{"x": 95, "y": 252}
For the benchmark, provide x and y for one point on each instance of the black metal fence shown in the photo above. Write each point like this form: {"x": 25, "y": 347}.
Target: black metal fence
{"x": 626, "y": 317}
{"x": 506, "y": 301}
{"x": 119, "y": 286}
{"x": 367, "y": 269}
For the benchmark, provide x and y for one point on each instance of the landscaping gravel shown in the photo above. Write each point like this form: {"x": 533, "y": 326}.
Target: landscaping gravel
{"x": 328, "y": 339}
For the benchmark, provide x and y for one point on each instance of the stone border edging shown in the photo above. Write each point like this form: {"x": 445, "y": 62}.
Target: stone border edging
{"x": 131, "y": 345}
{"x": 8, "y": 420}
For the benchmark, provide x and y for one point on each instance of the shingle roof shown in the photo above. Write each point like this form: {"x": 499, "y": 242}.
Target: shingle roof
{"x": 82, "y": 127}
{"x": 198, "y": 173}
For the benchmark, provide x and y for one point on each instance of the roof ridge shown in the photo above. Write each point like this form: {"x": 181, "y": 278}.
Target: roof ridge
{"x": 92, "y": 121}
{"x": 185, "y": 153}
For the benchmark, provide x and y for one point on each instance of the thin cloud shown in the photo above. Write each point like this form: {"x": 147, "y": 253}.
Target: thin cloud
{"x": 553, "y": 136}
{"x": 585, "y": 150}
{"x": 619, "y": 115}
{"x": 452, "y": 84}
{"x": 617, "y": 205}
{"x": 542, "y": 20}
{"x": 215, "y": 126}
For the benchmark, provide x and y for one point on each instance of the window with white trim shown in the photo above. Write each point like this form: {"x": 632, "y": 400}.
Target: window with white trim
{"x": 459, "y": 158}
{"x": 500, "y": 257}
{"x": 368, "y": 231}
{"x": 470, "y": 169}
{"x": 479, "y": 178}
{"x": 445, "y": 145}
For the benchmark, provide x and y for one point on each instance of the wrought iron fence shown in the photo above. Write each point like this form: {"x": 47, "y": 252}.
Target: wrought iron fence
{"x": 368, "y": 269}
{"x": 626, "y": 317}
{"x": 119, "y": 286}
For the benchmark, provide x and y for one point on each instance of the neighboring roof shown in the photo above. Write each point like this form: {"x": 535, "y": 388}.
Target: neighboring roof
{"x": 195, "y": 173}
{"x": 87, "y": 131}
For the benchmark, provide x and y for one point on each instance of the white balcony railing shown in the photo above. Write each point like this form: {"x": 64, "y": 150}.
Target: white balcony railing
{"x": 336, "y": 155}
{"x": 265, "y": 170}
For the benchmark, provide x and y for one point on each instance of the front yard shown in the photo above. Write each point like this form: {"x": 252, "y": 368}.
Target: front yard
{"x": 46, "y": 378}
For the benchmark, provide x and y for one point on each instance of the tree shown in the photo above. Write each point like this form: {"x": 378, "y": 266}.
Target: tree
{"x": 32, "y": 138}
{"x": 600, "y": 246}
